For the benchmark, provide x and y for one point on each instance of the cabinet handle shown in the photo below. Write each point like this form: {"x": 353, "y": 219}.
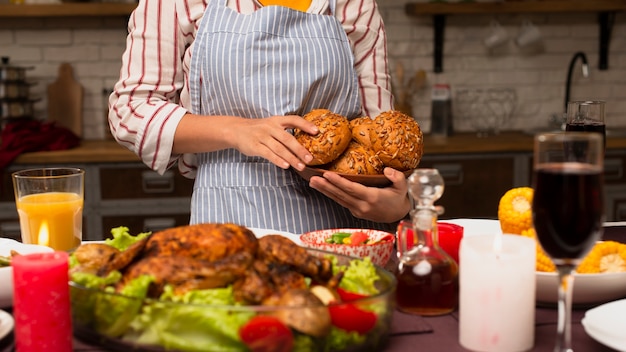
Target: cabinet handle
{"x": 152, "y": 182}
{"x": 613, "y": 169}
{"x": 157, "y": 224}
{"x": 452, "y": 173}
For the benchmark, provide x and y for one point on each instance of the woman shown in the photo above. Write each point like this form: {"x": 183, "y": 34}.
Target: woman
{"x": 217, "y": 86}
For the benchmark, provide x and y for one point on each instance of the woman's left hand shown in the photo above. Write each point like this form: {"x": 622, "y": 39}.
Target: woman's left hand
{"x": 385, "y": 205}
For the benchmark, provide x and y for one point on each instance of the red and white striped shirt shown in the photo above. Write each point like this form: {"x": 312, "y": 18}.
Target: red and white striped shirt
{"x": 152, "y": 94}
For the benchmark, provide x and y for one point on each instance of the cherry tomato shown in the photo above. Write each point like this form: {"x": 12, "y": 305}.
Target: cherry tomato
{"x": 358, "y": 238}
{"x": 266, "y": 334}
{"x": 351, "y": 318}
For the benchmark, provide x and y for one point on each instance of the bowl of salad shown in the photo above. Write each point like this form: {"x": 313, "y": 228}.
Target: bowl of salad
{"x": 376, "y": 245}
{"x": 321, "y": 301}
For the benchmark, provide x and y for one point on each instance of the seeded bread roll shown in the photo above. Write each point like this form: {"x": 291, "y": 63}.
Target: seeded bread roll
{"x": 398, "y": 140}
{"x": 357, "y": 159}
{"x": 361, "y": 128}
{"x": 331, "y": 141}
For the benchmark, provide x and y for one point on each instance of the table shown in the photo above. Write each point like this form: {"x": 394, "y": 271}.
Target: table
{"x": 444, "y": 330}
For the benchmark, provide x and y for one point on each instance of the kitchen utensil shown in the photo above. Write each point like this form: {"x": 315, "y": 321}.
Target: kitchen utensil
{"x": 11, "y": 73}
{"x": 366, "y": 180}
{"x": 487, "y": 110}
{"x": 65, "y": 100}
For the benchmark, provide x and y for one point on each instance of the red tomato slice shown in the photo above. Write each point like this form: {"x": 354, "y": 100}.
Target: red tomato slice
{"x": 266, "y": 334}
{"x": 348, "y": 296}
{"x": 351, "y": 318}
{"x": 358, "y": 238}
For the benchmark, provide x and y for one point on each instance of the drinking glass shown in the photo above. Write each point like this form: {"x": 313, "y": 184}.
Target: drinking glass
{"x": 586, "y": 116}
{"x": 49, "y": 202}
{"x": 568, "y": 208}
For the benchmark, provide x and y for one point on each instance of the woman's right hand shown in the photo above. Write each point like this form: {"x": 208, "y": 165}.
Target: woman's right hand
{"x": 268, "y": 138}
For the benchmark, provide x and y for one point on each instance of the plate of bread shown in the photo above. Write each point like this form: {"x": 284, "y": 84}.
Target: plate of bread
{"x": 361, "y": 148}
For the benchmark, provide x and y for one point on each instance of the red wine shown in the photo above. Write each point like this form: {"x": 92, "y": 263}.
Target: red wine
{"x": 586, "y": 126}
{"x": 568, "y": 209}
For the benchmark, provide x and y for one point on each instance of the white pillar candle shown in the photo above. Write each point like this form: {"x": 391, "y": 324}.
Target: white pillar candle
{"x": 497, "y": 293}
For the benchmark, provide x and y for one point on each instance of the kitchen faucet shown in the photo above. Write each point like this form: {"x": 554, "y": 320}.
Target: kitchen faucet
{"x": 585, "y": 70}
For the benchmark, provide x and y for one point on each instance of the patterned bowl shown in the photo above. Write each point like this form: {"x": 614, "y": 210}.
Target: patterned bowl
{"x": 379, "y": 252}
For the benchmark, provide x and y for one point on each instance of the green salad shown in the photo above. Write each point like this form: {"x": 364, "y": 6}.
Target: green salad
{"x": 212, "y": 320}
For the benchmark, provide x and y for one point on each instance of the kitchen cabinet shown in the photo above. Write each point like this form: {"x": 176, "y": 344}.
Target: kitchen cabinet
{"x": 116, "y": 194}
{"x": 474, "y": 183}
{"x": 119, "y": 190}
{"x": 606, "y": 10}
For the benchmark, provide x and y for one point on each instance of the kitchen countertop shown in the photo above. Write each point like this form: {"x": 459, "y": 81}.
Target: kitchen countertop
{"x": 108, "y": 151}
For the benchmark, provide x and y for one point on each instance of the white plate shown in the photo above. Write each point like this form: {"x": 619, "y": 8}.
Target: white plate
{"x": 264, "y": 232}
{"x": 588, "y": 288}
{"x": 6, "y": 273}
{"x": 606, "y": 324}
{"x": 6, "y": 324}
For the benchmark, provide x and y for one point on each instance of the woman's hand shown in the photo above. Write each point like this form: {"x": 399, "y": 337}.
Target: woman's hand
{"x": 268, "y": 138}
{"x": 385, "y": 205}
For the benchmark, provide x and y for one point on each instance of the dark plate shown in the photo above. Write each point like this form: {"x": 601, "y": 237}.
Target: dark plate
{"x": 366, "y": 180}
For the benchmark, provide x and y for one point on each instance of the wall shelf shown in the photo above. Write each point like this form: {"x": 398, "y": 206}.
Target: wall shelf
{"x": 77, "y": 9}
{"x": 606, "y": 10}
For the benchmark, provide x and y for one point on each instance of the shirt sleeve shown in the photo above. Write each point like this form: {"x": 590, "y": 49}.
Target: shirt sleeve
{"x": 145, "y": 108}
{"x": 366, "y": 31}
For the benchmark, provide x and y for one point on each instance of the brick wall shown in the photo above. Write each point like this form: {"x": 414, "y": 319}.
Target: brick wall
{"x": 94, "y": 47}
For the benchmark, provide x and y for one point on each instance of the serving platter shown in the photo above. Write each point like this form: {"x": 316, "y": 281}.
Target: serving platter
{"x": 366, "y": 180}
{"x": 6, "y": 273}
{"x": 588, "y": 288}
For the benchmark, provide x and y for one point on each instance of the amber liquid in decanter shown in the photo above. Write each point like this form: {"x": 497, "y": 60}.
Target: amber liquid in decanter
{"x": 427, "y": 286}
{"x": 427, "y": 277}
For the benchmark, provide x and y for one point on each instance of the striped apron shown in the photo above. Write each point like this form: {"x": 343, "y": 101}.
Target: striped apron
{"x": 275, "y": 61}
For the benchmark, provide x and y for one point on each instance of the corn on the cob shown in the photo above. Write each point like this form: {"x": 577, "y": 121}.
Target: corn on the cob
{"x": 543, "y": 262}
{"x": 514, "y": 210}
{"x": 604, "y": 257}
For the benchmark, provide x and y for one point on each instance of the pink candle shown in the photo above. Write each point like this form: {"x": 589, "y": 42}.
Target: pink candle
{"x": 41, "y": 302}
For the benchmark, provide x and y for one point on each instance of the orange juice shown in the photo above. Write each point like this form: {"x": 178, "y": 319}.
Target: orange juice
{"x": 51, "y": 219}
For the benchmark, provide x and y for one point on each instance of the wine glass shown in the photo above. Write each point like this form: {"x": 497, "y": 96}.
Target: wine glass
{"x": 568, "y": 208}
{"x": 586, "y": 116}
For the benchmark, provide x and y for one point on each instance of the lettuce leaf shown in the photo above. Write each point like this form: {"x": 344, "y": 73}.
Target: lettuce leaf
{"x": 122, "y": 239}
{"x": 205, "y": 323}
{"x": 360, "y": 276}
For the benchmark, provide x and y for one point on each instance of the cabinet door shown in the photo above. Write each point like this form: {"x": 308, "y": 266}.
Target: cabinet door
{"x": 139, "y": 182}
{"x": 473, "y": 185}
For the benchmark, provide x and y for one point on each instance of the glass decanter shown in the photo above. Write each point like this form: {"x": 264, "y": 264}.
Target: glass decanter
{"x": 428, "y": 282}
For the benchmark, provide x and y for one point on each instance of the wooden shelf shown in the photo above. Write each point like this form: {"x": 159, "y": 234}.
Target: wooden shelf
{"x": 67, "y": 10}
{"x": 606, "y": 10}
{"x": 538, "y": 6}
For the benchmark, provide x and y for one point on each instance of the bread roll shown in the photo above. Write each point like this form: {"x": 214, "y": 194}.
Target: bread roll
{"x": 397, "y": 140}
{"x": 361, "y": 128}
{"x": 331, "y": 141}
{"x": 357, "y": 159}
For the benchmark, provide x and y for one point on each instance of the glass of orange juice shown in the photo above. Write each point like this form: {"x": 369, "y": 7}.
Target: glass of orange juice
{"x": 49, "y": 202}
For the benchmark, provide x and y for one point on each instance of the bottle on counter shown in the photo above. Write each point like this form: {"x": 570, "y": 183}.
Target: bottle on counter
{"x": 428, "y": 278}
{"x": 441, "y": 111}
